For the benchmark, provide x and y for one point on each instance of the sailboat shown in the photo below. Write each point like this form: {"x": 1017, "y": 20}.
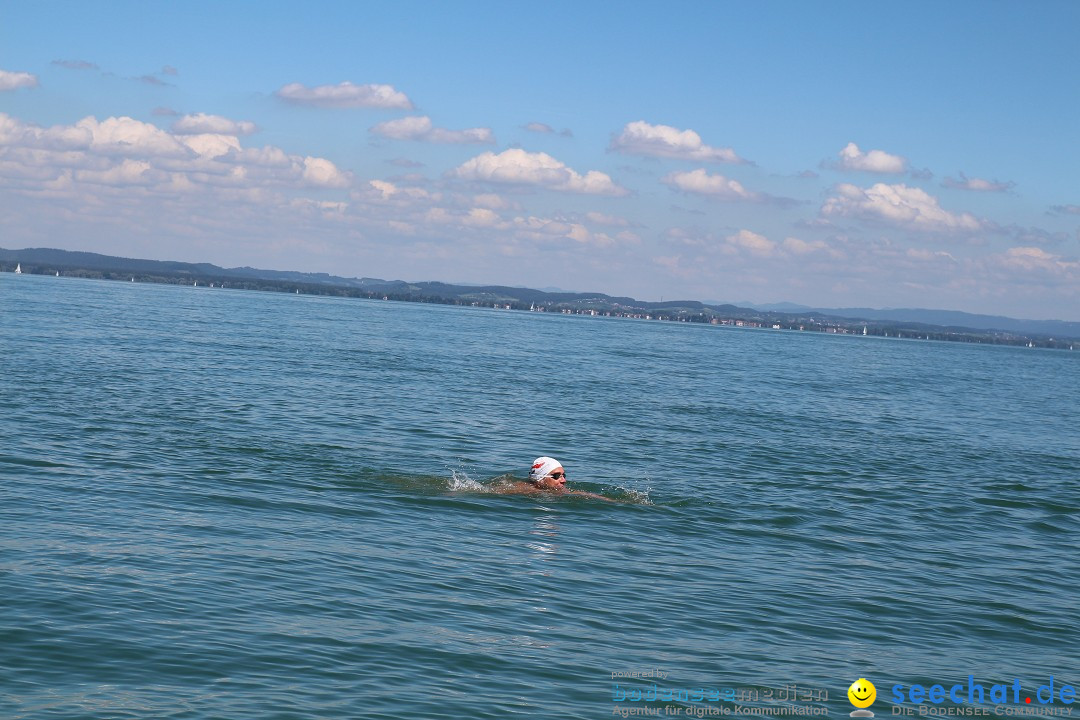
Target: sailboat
{"x": 18, "y": 268}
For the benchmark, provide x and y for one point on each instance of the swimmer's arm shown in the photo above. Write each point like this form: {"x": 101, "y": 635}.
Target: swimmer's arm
{"x": 588, "y": 494}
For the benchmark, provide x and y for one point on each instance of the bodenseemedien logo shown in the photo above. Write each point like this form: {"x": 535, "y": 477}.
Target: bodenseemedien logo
{"x": 862, "y": 694}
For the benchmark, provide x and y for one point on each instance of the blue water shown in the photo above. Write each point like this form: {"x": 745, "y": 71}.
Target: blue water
{"x": 226, "y": 504}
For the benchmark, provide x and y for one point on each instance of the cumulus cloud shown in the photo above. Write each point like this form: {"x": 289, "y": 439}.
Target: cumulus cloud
{"x": 128, "y": 172}
{"x": 641, "y": 138}
{"x": 900, "y": 205}
{"x": 323, "y": 173}
{"x": 799, "y": 247}
{"x": 211, "y": 145}
{"x": 752, "y": 242}
{"x": 701, "y": 183}
{"x": 15, "y": 80}
{"x": 127, "y": 136}
{"x": 875, "y": 161}
{"x": 516, "y": 166}
{"x": 345, "y": 95}
{"x": 123, "y": 151}
{"x": 202, "y": 123}
{"x": 420, "y": 128}
{"x": 977, "y": 184}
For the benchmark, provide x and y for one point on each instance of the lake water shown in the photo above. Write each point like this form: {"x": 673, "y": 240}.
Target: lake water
{"x": 226, "y": 504}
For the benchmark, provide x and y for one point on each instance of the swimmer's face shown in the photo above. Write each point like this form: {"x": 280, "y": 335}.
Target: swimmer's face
{"x": 556, "y": 480}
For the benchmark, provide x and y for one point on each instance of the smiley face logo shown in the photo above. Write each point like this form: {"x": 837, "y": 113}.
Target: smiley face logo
{"x": 862, "y": 693}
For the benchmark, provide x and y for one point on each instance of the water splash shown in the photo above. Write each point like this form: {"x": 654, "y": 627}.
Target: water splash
{"x": 638, "y": 496}
{"x": 459, "y": 480}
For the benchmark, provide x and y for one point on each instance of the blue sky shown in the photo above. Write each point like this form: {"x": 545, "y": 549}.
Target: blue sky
{"x": 832, "y": 154}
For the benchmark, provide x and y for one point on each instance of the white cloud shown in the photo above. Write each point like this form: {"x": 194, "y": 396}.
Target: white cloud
{"x": 899, "y": 205}
{"x": 1033, "y": 259}
{"x": 421, "y": 129}
{"x": 201, "y": 123}
{"x": 798, "y": 247}
{"x": 346, "y": 95}
{"x": 126, "y": 136}
{"x": 539, "y": 229}
{"x": 382, "y": 191}
{"x": 482, "y": 217}
{"x": 701, "y": 183}
{"x": 752, "y": 242}
{"x": 211, "y": 146}
{"x": 15, "y": 80}
{"x": 875, "y": 161}
{"x": 85, "y": 159}
{"x": 977, "y": 184}
{"x": 128, "y": 172}
{"x": 641, "y": 138}
{"x": 1065, "y": 209}
{"x": 516, "y": 166}
{"x": 322, "y": 172}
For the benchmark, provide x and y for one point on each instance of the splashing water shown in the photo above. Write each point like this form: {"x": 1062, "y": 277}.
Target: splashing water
{"x": 460, "y": 480}
{"x": 638, "y": 496}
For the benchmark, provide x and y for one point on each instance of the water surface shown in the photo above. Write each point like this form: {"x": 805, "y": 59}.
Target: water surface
{"x": 225, "y": 504}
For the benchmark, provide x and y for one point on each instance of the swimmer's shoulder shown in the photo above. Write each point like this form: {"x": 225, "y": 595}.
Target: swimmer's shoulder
{"x": 509, "y": 485}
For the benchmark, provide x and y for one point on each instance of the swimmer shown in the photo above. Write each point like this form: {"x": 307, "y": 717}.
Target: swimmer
{"x": 547, "y": 476}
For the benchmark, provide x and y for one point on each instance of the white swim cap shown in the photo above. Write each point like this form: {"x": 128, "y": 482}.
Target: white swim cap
{"x": 542, "y": 466}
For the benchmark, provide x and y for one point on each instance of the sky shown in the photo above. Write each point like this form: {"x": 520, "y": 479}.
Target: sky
{"x": 831, "y": 154}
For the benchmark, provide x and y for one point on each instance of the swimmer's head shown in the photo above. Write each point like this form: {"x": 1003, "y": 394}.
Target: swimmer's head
{"x": 547, "y": 472}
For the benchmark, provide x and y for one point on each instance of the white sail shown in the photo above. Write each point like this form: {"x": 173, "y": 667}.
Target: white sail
{"x": 18, "y": 268}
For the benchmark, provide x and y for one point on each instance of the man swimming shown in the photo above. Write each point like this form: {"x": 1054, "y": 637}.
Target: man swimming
{"x": 547, "y": 475}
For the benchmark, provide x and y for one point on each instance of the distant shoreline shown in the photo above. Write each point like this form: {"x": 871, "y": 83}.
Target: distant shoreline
{"x": 101, "y": 267}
